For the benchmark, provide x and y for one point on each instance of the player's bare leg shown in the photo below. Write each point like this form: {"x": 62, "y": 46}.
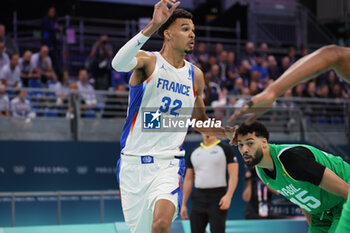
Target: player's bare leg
{"x": 162, "y": 216}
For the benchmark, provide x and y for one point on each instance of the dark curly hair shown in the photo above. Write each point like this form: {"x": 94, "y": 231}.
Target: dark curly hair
{"x": 256, "y": 127}
{"x": 178, "y": 13}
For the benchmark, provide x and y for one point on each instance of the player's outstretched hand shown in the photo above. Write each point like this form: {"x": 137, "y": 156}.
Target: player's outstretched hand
{"x": 161, "y": 11}
{"x": 257, "y": 106}
{"x": 231, "y": 133}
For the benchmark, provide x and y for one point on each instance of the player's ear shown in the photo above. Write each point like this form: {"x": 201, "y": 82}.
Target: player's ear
{"x": 265, "y": 143}
{"x": 167, "y": 34}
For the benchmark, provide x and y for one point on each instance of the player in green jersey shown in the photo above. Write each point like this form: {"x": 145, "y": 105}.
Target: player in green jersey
{"x": 315, "y": 180}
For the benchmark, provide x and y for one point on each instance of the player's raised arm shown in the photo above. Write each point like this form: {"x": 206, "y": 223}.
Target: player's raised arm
{"x": 323, "y": 59}
{"x": 128, "y": 57}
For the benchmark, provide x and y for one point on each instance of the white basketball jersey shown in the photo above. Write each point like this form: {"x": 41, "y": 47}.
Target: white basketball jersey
{"x": 167, "y": 91}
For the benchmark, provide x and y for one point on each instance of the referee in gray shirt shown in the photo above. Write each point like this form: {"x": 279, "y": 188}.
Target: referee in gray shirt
{"x": 207, "y": 167}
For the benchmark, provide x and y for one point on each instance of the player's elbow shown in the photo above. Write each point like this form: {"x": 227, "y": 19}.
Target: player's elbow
{"x": 117, "y": 65}
{"x": 333, "y": 52}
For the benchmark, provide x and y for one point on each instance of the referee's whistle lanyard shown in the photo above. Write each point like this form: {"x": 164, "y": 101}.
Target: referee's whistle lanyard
{"x": 262, "y": 198}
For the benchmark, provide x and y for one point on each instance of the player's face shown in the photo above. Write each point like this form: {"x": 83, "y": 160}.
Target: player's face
{"x": 181, "y": 34}
{"x": 250, "y": 147}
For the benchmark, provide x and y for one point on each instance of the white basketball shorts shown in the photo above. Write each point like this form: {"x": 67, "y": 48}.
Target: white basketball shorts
{"x": 143, "y": 181}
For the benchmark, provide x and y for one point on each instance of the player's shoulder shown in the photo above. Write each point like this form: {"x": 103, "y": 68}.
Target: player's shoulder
{"x": 147, "y": 54}
{"x": 197, "y": 71}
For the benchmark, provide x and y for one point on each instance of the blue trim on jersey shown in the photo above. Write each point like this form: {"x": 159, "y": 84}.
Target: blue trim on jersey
{"x": 136, "y": 94}
{"x": 181, "y": 172}
{"x": 117, "y": 170}
{"x": 192, "y": 74}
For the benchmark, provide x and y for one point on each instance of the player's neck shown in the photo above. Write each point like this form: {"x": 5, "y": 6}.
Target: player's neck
{"x": 267, "y": 161}
{"x": 173, "y": 56}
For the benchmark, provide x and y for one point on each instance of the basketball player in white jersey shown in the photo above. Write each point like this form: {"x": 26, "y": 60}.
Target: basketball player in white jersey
{"x": 152, "y": 163}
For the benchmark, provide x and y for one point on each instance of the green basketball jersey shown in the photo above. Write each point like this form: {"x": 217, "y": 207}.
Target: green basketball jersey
{"x": 310, "y": 197}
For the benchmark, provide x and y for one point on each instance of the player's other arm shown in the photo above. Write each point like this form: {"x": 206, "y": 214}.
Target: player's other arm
{"x": 307, "y": 215}
{"x": 199, "y": 110}
{"x": 334, "y": 184}
{"x": 301, "y": 165}
{"x": 323, "y": 59}
{"x": 187, "y": 188}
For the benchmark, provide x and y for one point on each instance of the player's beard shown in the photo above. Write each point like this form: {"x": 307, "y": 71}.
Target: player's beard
{"x": 256, "y": 159}
{"x": 189, "y": 51}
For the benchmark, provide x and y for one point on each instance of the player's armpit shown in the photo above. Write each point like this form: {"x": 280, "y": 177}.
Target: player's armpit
{"x": 145, "y": 66}
{"x": 334, "y": 184}
{"x": 307, "y": 215}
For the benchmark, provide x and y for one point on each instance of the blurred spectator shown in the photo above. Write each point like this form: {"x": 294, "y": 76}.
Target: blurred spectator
{"x": 258, "y": 197}
{"x": 232, "y": 67}
{"x": 248, "y": 54}
{"x": 211, "y": 61}
{"x": 20, "y": 106}
{"x": 254, "y": 88}
{"x": 255, "y": 76}
{"x": 323, "y": 92}
{"x": 214, "y": 74}
{"x": 54, "y": 85}
{"x": 305, "y": 52}
{"x": 4, "y": 102}
{"x": 264, "y": 75}
{"x": 201, "y": 53}
{"x": 311, "y": 90}
{"x": 285, "y": 64}
{"x": 11, "y": 46}
{"x": 51, "y": 34}
{"x": 42, "y": 64}
{"x": 272, "y": 67}
{"x": 332, "y": 79}
{"x": 243, "y": 71}
{"x": 232, "y": 72}
{"x": 99, "y": 62}
{"x": 27, "y": 69}
{"x": 4, "y": 57}
{"x": 86, "y": 91}
{"x": 298, "y": 90}
{"x": 264, "y": 50}
{"x": 116, "y": 103}
{"x": 10, "y": 75}
{"x": 64, "y": 80}
{"x": 223, "y": 65}
{"x": 287, "y": 102}
{"x": 238, "y": 86}
{"x": 292, "y": 54}
{"x": 237, "y": 103}
{"x": 338, "y": 92}
{"x": 219, "y": 48}
{"x": 212, "y": 88}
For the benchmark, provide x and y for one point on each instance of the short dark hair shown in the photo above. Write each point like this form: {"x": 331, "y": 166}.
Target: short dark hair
{"x": 13, "y": 54}
{"x": 256, "y": 127}
{"x": 178, "y": 13}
